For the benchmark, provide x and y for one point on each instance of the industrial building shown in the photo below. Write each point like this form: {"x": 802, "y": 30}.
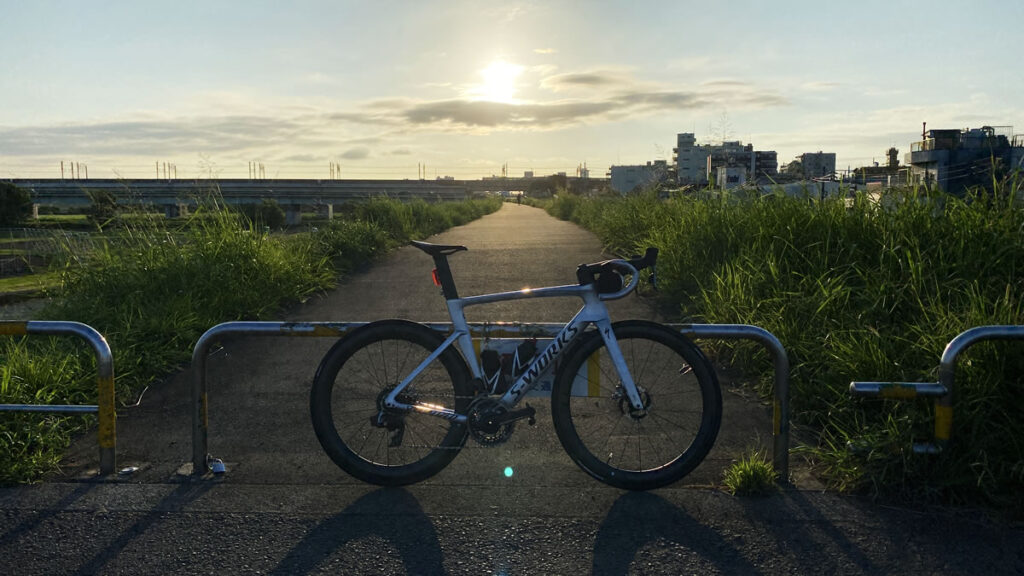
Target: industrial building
{"x": 957, "y": 159}
{"x": 818, "y": 164}
{"x": 625, "y": 179}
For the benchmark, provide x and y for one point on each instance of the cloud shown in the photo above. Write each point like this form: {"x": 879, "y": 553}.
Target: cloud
{"x": 596, "y": 97}
{"x": 821, "y": 86}
{"x": 306, "y": 158}
{"x": 401, "y": 152}
{"x": 149, "y": 137}
{"x": 558, "y": 114}
{"x": 357, "y": 153}
{"x": 725, "y": 83}
{"x": 545, "y": 51}
{"x": 562, "y": 82}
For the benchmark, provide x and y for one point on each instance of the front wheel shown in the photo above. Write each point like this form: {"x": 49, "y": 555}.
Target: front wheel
{"x": 628, "y": 448}
{"x": 379, "y": 445}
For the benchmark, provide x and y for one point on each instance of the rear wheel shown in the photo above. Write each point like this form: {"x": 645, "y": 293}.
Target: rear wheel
{"x": 637, "y": 449}
{"x": 379, "y": 445}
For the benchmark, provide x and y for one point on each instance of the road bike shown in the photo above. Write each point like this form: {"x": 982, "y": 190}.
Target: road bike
{"x": 634, "y": 403}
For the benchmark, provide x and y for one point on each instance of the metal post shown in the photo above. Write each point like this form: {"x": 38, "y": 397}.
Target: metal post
{"x": 200, "y": 411}
{"x": 947, "y": 371}
{"x": 780, "y": 420}
{"x": 105, "y": 408}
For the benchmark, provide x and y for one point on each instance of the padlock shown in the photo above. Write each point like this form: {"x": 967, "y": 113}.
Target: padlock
{"x": 217, "y": 466}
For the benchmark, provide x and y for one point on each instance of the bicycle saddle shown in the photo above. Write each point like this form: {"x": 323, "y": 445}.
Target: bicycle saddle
{"x": 438, "y": 249}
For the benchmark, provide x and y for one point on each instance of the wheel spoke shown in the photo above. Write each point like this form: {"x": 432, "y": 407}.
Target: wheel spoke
{"x": 357, "y": 375}
{"x": 639, "y": 449}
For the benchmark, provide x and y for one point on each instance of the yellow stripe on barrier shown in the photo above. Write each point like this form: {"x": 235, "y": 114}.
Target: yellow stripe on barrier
{"x": 898, "y": 392}
{"x": 323, "y": 331}
{"x": 943, "y": 422}
{"x": 17, "y": 328}
{"x": 107, "y": 425}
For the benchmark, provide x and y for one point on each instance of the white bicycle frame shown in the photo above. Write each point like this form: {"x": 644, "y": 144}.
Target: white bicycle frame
{"x": 593, "y": 311}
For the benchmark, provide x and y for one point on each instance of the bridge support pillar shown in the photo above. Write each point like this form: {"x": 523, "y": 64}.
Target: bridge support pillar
{"x": 175, "y": 210}
{"x": 293, "y": 214}
{"x": 325, "y": 211}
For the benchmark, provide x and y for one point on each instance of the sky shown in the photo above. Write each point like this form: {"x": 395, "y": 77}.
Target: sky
{"x": 389, "y": 89}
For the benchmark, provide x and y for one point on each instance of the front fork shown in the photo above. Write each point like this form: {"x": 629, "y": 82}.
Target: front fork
{"x": 619, "y": 361}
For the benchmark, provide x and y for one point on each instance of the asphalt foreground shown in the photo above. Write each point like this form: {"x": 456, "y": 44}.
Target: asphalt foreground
{"x": 283, "y": 508}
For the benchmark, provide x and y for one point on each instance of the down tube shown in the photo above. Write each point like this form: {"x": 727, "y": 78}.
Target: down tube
{"x": 542, "y": 363}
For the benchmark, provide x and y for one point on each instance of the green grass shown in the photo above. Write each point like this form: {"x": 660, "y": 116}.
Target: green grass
{"x": 856, "y": 290}
{"x": 153, "y": 288}
{"x": 751, "y": 475}
{"x": 30, "y": 282}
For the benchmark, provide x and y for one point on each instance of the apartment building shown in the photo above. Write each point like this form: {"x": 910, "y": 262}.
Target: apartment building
{"x": 698, "y": 164}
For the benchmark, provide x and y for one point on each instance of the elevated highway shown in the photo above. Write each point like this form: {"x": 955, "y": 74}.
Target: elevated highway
{"x": 176, "y": 197}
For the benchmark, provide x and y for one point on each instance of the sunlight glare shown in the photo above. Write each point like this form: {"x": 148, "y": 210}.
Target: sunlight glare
{"x": 499, "y": 81}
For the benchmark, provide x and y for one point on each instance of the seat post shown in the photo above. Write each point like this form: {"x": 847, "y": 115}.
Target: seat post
{"x": 444, "y": 275}
{"x": 440, "y": 252}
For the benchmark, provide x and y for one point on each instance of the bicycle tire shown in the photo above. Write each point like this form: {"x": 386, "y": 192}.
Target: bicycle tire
{"x": 645, "y": 450}
{"x": 349, "y": 387}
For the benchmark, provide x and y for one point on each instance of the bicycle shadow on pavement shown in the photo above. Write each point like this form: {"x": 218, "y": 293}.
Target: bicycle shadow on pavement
{"x": 391, "y": 514}
{"x": 641, "y": 521}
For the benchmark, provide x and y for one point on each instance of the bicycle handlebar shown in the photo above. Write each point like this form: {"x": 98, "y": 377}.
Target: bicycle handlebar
{"x": 585, "y": 273}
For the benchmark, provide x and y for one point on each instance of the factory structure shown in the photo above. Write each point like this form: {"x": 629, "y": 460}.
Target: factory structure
{"x": 957, "y": 159}
{"x": 952, "y": 160}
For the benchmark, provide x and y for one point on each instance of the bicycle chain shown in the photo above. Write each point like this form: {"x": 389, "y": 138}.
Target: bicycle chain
{"x": 479, "y": 444}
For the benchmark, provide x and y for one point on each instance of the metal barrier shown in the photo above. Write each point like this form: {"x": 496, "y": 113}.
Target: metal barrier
{"x": 943, "y": 389}
{"x": 105, "y": 409}
{"x": 200, "y": 412}
{"x": 780, "y": 390}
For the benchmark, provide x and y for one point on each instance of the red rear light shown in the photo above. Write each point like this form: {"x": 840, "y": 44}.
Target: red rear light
{"x": 437, "y": 279}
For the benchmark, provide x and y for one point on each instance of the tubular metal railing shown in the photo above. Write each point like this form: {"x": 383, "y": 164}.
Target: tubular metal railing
{"x": 942, "y": 390}
{"x": 200, "y": 411}
{"x": 105, "y": 408}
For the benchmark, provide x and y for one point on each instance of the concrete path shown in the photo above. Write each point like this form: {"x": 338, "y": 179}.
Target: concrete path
{"x": 284, "y": 508}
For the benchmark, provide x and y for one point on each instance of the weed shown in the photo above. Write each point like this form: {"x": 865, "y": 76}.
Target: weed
{"x": 856, "y": 288}
{"x": 153, "y": 287}
{"x": 751, "y": 475}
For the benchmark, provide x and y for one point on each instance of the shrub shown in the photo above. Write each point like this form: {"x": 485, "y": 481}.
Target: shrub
{"x": 15, "y": 204}
{"x": 857, "y": 288}
{"x": 267, "y": 213}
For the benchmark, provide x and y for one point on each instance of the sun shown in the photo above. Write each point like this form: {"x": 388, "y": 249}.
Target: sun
{"x": 499, "y": 82}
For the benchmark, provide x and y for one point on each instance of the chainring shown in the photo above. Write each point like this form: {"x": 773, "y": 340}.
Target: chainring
{"x": 481, "y": 409}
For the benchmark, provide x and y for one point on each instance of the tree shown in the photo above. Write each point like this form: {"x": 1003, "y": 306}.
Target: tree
{"x": 15, "y": 204}
{"x": 267, "y": 213}
{"x": 103, "y": 208}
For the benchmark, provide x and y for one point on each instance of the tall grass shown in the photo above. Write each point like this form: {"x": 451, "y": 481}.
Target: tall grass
{"x": 153, "y": 289}
{"x": 857, "y": 289}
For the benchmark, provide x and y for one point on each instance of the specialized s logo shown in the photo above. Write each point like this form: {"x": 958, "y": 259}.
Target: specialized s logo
{"x": 550, "y": 353}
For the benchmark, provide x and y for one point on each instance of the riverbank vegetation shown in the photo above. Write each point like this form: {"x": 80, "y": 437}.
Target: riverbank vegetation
{"x": 855, "y": 288}
{"x": 153, "y": 288}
